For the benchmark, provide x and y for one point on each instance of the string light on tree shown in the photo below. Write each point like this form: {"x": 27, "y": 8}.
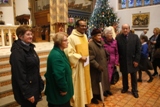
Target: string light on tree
{"x": 102, "y": 15}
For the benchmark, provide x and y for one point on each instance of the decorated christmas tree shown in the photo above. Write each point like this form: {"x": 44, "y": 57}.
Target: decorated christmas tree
{"x": 102, "y": 15}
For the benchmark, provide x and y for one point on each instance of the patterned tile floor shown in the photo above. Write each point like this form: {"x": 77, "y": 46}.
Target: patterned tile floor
{"x": 149, "y": 95}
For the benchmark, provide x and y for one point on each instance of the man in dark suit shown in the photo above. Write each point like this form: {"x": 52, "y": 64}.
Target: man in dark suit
{"x": 129, "y": 56}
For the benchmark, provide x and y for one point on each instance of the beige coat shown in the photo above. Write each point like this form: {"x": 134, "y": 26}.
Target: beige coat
{"x": 98, "y": 57}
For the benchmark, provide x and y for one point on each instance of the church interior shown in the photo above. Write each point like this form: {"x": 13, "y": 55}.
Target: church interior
{"x": 47, "y": 17}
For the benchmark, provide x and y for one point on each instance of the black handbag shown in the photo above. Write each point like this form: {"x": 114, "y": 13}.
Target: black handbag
{"x": 115, "y": 76}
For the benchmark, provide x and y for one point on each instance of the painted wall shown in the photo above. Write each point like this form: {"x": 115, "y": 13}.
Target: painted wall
{"x": 21, "y": 8}
{"x": 7, "y": 14}
{"x": 125, "y": 16}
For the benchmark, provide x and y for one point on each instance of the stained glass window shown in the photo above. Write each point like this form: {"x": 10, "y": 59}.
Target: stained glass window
{"x": 4, "y": 1}
{"x": 123, "y": 2}
{"x": 130, "y": 3}
{"x": 138, "y": 2}
{"x": 156, "y": 1}
{"x": 146, "y": 2}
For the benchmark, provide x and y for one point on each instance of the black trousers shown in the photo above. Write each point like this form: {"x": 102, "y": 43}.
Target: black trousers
{"x": 133, "y": 81}
{"x": 62, "y": 105}
{"x": 156, "y": 63}
{"x": 28, "y": 104}
{"x": 140, "y": 74}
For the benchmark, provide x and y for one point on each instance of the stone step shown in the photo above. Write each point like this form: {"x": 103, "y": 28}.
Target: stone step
{"x": 7, "y": 89}
{"x": 5, "y": 80}
{"x": 43, "y": 58}
{"x": 5, "y": 65}
{"x": 7, "y": 71}
{"x": 4, "y": 58}
{"x": 40, "y": 53}
{"x": 3, "y": 62}
{"x": 43, "y": 64}
{"x": 8, "y": 101}
{"x": 7, "y": 61}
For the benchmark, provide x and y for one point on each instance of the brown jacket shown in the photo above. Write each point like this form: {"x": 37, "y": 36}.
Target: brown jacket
{"x": 98, "y": 57}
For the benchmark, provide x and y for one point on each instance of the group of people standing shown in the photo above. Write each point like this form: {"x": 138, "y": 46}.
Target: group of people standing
{"x": 75, "y": 66}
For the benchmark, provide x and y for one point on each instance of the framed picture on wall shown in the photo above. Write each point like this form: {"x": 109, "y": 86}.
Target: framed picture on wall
{"x": 140, "y": 19}
{"x": 5, "y": 2}
{"x": 83, "y": 5}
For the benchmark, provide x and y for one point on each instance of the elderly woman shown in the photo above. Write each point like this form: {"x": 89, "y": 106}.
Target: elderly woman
{"x": 154, "y": 43}
{"x": 26, "y": 80}
{"x": 98, "y": 68}
{"x": 59, "y": 87}
{"x": 111, "y": 47}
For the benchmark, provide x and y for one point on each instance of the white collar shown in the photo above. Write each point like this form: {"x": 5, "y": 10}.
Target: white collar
{"x": 144, "y": 43}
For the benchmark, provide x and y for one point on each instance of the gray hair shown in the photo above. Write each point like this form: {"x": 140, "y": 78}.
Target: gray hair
{"x": 58, "y": 38}
{"x": 107, "y": 29}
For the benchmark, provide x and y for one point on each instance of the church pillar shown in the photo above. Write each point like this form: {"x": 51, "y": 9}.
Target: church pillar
{"x": 58, "y": 16}
{"x": 31, "y": 7}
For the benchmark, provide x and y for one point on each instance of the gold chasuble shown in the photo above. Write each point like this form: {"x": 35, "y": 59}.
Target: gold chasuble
{"x": 78, "y": 47}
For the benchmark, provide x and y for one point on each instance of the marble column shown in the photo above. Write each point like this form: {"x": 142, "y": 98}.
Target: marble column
{"x": 58, "y": 15}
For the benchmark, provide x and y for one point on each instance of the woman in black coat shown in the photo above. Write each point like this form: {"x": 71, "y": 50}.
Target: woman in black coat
{"x": 26, "y": 80}
{"x": 154, "y": 44}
